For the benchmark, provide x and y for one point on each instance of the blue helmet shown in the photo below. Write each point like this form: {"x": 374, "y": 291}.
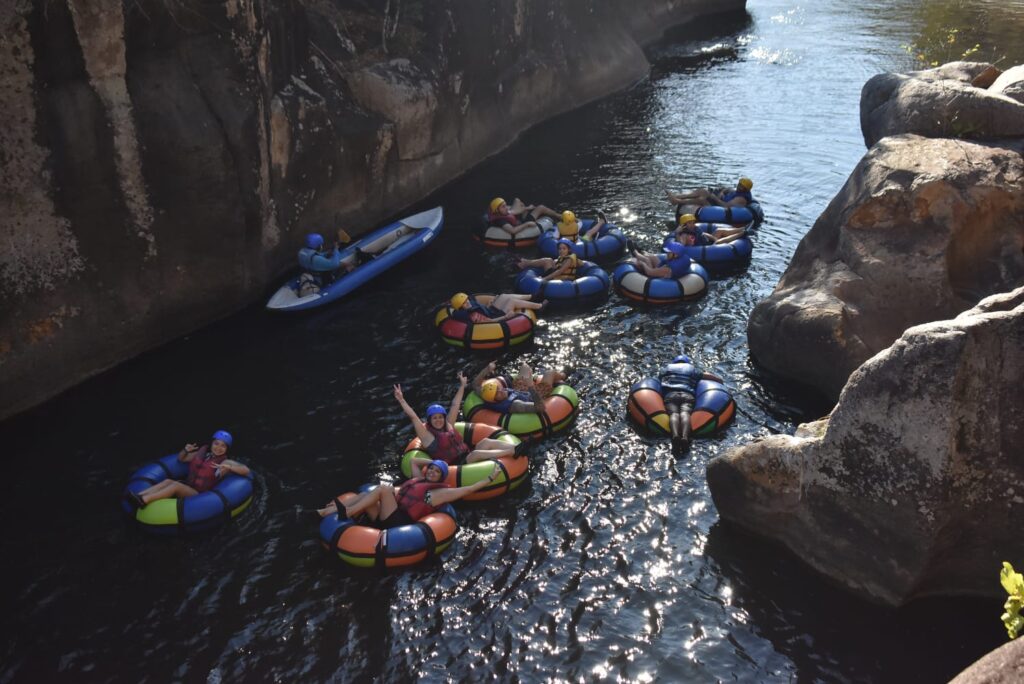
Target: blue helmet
{"x": 435, "y": 409}
{"x": 682, "y": 358}
{"x": 442, "y": 466}
{"x": 314, "y": 241}
{"x": 567, "y": 242}
{"x": 223, "y": 435}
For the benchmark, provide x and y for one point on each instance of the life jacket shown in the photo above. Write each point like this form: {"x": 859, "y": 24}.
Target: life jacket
{"x": 505, "y": 405}
{"x": 501, "y": 219}
{"x": 410, "y": 497}
{"x": 319, "y": 262}
{"x": 489, "y": 311}
{"x": 680, "y": 377}
{"x": 570, "y": 274}
{"x": 448, "y": 444}
{"x": 201, "y": 472}
{"x": 733, "y": 194}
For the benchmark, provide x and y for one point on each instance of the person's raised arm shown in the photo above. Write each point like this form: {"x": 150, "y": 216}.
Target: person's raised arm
{"x": 453, "y": 410}
{"x": 188, "y": 452}
{"x": 485, "y": 373}
{"x": 417, "y": 424}
{"x": 439, "y": 497}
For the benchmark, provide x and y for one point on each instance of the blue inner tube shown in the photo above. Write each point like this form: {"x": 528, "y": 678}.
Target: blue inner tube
{"x": 735, "y": 252}
{"x": 736, "y": 216}
{"x": 591, "y": 281}
{"x": 634, "y": 284}
{"x": 206, "y": 510}
{"x": 609, "y": 243}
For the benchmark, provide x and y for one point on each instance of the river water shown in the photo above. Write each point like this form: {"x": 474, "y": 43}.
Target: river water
{"x": 612, "y": 563}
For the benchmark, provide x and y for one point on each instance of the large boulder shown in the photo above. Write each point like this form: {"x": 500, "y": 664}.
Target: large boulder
{"x": 162, "y": 159}
{"x": 923, "y": 229}
{"x": 945, "y": 102}
{"x": 1005, "y": 665}
{"x": 914, "y": 485}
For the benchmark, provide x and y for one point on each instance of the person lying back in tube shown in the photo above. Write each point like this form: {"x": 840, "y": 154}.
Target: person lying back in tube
{"x": 722, "y": 197}
{"x": 467, "y": 309}
{"x": 517, "y": 217}
{"x": 207, "y": 464}
{"x": 386, "y": 506}
{"x": 678, "y": 389}
{"x": 672, "y": 264}
{"x": 569, "y": 227}
{"x": 564, "y": 267}
{"x": 527, "y": 394}
{"x": 439, "y": 438}
{"x": 689, "y": 234}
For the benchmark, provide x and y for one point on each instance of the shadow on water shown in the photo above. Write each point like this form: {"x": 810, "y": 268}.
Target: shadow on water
{"x": 809, "y": 620}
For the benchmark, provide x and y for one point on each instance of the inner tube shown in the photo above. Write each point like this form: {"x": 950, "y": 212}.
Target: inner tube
{"x": 559, "y": 411}
{"x": 633, "y": 284}
{"x": 469, "y": 335}
{"x": 367, "y": 547}
{"x": 513, "y": 470}
{"x": 492, "y": 236}
{"x": 728, "y": 254}
{"x": 609, "y": 243}
{"x": 591, "y": 281}
{"x": 713, "y": 407}
{"x": 751, "y": 214}
{"x": 204, "y": 511}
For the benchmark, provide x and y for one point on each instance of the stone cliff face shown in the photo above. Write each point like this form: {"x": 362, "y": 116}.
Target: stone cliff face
{"x": 144, "y": 141}
{"x": 915, "y": 483}
{"x": 926, "y": 226}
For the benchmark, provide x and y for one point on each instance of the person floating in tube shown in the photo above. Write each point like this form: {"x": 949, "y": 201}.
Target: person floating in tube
{"x": 527, "y": 394}
{"x": 569, "y": 227}
{"x": 441, "y": 441}
{"x": 386, "y": 506}
{"x": 504, "y": 306}
{"x": 517, "y": 217}
{"x": 689, "y": 234}
{"x": 722, "y": 197}
{"x": 678, "y": 389}
{"x": 207, "y": 464}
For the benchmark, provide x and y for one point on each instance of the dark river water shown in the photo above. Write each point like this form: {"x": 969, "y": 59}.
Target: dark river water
{"x": 611, "y": 564}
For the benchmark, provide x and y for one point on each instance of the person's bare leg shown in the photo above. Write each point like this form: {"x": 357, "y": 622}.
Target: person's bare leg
{"x": 176, "y": 489}
{"x": 540, "y": 210}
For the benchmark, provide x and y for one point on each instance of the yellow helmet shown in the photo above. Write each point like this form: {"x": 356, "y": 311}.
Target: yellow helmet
{"x": 687, "y": 218}
{"x": 568, "y": 226}
{"x": 746, "y": 184}
{"x": 458, "y": 299}
{"x": 489, "y": 389}
{"x": 495, "y": 203}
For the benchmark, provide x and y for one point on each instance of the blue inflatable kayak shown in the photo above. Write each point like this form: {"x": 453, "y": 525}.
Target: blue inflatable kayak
{"x": 391, "y": 244}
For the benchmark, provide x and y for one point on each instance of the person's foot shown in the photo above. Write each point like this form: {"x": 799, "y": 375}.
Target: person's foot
{"x": 522, "y": 447}
{"x": 631, "y": 246}
{"x": 136, "y": 500}
{"x": 601, "y": 216}
{"x": 342, "y": 513}
{"x": 680, "y": 444}
{"x": 543, "y": 306}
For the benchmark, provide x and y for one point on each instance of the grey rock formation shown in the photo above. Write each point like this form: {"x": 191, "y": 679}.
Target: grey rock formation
{"x": 914, "y": 485}
{"x": 1005, "y": 665}
{"x": 923, "y": 229}
{"x": 145, "y": 141}
{"x": 941, "y": 103}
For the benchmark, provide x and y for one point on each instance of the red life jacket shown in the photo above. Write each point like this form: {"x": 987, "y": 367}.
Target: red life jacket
{"x": 501, "y": 219}
{"x": 201, "y": 473}
{"x": 448, "y": 444}
{"x": 410, "y": 497}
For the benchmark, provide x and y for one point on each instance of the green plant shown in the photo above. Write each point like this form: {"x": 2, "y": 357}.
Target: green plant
{"x": 1013, "y": 582}
{"x": 941, "y": 49}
